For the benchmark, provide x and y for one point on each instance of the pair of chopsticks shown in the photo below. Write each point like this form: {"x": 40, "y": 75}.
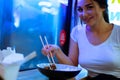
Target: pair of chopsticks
{"x": 51, "y": 61}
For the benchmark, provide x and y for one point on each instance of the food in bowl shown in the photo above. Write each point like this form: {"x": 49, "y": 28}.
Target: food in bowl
{"x": 50, "y": 67}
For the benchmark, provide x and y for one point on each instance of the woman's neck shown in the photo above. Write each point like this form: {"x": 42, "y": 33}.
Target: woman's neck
{"x": 99, "y": 27}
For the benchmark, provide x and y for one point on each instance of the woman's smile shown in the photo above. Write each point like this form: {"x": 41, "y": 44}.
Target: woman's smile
{"x": 88, "y": 20}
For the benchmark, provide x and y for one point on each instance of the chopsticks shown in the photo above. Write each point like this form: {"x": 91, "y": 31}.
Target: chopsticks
{"x": 51, "y": 61}
{"x": 50, "y": 52}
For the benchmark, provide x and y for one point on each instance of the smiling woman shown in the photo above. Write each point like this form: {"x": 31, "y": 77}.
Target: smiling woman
{"x": 94, "y": 44}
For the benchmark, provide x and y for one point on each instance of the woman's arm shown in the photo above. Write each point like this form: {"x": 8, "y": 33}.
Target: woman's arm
{"x": 73, "y": 52}
{"x": 71, "y": 59}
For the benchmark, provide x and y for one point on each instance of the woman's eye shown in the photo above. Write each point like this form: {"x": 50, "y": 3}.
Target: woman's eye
{"x": 80, "y": 9}
{"x": 89, "y": 7}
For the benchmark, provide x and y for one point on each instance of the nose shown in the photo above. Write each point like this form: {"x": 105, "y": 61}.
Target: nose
{"x": 84, "y": 13}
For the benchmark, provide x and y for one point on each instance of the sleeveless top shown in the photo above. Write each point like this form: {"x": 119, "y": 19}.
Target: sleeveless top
{"x": 103, "y": 58}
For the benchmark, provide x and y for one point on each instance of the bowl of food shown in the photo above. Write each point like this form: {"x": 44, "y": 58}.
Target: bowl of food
{"x": 58, "y": 71}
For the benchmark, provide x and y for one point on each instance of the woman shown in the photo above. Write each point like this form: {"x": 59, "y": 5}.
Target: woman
{"x": 96, "y": 45}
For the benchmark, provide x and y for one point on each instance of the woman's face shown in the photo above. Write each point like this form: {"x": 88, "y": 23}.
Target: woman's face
{"x": 89, "y": 12}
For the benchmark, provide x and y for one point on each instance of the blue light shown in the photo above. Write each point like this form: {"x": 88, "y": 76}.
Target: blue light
{"x": 114, "y": 11}
{"x": 16, "y": 19}
{"x": 45, "y": 3}
{"x": 115, "y": 16}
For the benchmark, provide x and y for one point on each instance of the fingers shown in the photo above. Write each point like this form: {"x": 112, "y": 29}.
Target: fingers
{"x": 49, "y": 48}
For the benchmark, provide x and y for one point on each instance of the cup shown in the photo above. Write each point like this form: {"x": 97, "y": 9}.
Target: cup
{"x": 9, "y": 71}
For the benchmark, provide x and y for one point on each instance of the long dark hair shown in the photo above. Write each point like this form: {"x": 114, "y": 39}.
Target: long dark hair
{"x": 101, "y": 3}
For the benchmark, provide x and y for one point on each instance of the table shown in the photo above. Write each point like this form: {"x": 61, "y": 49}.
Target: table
{"x": 31, "y": 75}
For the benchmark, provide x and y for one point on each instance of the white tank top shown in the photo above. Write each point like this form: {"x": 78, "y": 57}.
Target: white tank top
{"x": 102, "y": 58}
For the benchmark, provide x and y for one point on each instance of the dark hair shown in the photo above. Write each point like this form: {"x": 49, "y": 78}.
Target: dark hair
{"x": 75, "y": 13}
{"x": 1, "y": 78}
{"x": 101, "y": 3}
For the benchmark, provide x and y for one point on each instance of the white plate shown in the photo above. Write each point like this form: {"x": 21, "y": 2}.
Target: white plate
{"x": 83, "y": 73}
{"x": 61, "y": 67}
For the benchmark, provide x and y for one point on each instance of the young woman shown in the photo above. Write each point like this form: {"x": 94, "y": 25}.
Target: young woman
{"x": 95, "y": 45}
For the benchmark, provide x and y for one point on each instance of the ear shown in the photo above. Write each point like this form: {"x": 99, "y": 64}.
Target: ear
{"x": 103, "y": 9}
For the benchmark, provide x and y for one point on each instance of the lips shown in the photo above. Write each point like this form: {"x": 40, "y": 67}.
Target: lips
{"x": 87, "y": 20}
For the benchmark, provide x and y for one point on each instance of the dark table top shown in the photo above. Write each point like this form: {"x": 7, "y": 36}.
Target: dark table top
{"x": 31, "y": 75}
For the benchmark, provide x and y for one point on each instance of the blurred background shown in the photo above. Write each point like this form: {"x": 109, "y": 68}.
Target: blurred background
{"x": 23, "y": 21}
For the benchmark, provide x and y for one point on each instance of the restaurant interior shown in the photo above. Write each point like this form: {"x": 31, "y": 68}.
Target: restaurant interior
{"x": 22, "y": 22}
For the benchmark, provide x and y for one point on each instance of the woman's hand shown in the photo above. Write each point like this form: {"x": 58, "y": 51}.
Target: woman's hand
{"x": 54, "y": 49}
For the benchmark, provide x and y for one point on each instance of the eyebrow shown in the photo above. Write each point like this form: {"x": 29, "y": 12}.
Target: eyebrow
{"x": 89, "y": 4}
{"x": 86, "y": 5}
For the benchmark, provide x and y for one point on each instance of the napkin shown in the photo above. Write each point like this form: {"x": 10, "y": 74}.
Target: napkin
{"x": 9, "y": 56}
{"x": 83, "y": 73}
{"x": 10, "y": 62}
